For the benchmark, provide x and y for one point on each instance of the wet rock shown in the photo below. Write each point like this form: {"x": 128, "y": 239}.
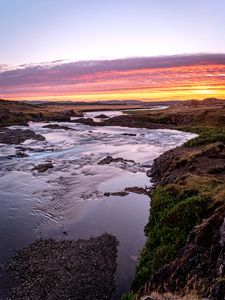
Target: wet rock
{"x": 62, "y": 270}
{"x": 18, "y": 136}
{"x": 120, "y": 194}
{"x": 119, "y": 159}
{"x": 105, "y": 161}
{"x": 102, "y": 116}
{"x": 129, "y": 134}
{"x": 149, "y": 173}
{"x": 21, "y": 154}
{"x": 107, "y": 194}
{"x": 21, "y": 148}
{"x": 56, "y": 126}
{"x": 109, "y": 159}
{"x": 137, "y": 190}
{"x": 41, "y": 168}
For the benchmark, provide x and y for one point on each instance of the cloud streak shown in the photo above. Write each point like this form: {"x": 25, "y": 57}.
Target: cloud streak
{"x": 145, "y": 78}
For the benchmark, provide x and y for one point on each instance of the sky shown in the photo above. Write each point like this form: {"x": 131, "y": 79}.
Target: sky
{"x": 49, "y": 39}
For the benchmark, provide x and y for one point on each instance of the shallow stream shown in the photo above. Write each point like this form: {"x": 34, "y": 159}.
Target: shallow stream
{"x": 69, "y": 201}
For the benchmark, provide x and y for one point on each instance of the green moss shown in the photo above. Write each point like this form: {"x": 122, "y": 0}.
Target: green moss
{"x": 171, "y": 220}
{"x": 206, "y": 135}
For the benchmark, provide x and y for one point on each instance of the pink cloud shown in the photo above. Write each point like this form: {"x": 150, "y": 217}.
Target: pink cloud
{"x": 113, "y": 75}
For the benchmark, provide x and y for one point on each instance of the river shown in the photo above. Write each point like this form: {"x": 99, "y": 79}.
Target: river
{"x": 69, "y": 201}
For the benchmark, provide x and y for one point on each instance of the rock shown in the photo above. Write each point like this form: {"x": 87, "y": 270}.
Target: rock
{"x": 149, "y": 173}
{"x": 129, "y": 134}
{"x": 107, "y": 194}
{"x": 105, "y": 161}
{"x": 41, "y": 168}
{"x": 56, "y": 126}
{"x": 87, "y": 121}
{"x": 109, "y": 159}
{"x": 18, "y": 136}
{"x": 137, "y": 190}
{"x": 21, "y": 148}
{"x": 21, "y": 154}
{"x": 146, "y": 166}
{"x": 102, "y": 116}
{"x": 121, "y": 194}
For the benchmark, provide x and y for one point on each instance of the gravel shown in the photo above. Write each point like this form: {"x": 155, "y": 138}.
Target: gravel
{"x": 49, "y": 269}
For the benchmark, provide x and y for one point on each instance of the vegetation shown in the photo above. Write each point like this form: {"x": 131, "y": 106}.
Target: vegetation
{"x": 206, "y": 135}
{"x": 193, "y": 190}
{"x": 172, "y": 218}
{"x": 190, "y": 187}
{"x": 19, "y": 113}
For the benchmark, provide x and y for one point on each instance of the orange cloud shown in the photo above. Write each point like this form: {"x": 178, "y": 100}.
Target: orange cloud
{"x": 166, "y": 78}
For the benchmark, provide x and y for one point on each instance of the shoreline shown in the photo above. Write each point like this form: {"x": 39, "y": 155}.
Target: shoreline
{"x": 191, "y": 184}
{"x": 188, "y": 180}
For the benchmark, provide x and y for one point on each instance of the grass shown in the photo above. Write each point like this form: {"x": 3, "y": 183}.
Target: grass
{"x": 172, "y": 219}
{"x": 176, "y": 209}
{"x": 206, "y": 135}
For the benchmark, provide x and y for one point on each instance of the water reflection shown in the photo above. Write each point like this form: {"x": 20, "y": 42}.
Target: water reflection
{"x": 71, "y": 196}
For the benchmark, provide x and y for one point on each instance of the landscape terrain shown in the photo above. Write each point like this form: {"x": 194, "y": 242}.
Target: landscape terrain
{"x": 184, "y": 254}
{"x": 112, "y": 150}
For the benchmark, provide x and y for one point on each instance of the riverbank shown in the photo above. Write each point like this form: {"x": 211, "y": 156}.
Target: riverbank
{"x": 185, "y": 233}
{"x": 187, "y": 205}
{"x": 184, "y": 254}
{"x": 75, "y": 183}
{"x": 20, "y": 113}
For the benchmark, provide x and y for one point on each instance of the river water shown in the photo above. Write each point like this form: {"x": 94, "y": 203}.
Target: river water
{"x": 68, "y": 201}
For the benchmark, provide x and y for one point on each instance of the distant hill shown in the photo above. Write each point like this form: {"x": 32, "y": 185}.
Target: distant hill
{"x": 105, "y": 102}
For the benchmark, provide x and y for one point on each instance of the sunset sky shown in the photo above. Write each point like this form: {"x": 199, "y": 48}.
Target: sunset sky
{"x": 115, "y": 49}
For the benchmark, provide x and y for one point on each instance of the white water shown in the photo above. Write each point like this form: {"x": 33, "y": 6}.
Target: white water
{"x": 70, "y": 196}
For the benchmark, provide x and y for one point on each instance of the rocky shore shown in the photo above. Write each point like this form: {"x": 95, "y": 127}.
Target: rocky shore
{"x": 50, "y": 269}
{"x": 18, "y": 136}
